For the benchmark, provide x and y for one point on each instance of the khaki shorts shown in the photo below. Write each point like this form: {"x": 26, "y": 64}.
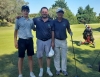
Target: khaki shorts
{"x": 43, "y": 46}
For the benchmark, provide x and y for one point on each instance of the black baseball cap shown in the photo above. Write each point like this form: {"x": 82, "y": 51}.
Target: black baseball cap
{"x": 25, "y": 7}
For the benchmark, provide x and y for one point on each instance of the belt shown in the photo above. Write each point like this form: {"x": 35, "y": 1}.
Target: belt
{"x": 44, "y": 39}
{"x": 60, "y": 39}
{"x": 26, "y": 38}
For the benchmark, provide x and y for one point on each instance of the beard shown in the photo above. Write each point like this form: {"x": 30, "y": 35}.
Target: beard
{"x": 44, "y": 16}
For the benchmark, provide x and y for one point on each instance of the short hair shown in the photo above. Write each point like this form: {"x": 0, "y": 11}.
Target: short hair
{"x": 43, "y": 8}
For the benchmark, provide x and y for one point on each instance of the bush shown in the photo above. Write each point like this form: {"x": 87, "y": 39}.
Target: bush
{"x": 3, "y": 24}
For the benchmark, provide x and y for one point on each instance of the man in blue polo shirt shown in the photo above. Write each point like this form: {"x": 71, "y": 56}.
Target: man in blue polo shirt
{"x": 60, "y": 27}
{"x": 23, "y": 28}
{"x": 44, "y": 33}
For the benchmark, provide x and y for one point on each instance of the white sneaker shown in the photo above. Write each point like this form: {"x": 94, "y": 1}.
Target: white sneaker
{"x": 41, "y": 74}
{"x": 32, "y": 74}
{"x": 49, "y": 73}
{"x": 20, "y": 75}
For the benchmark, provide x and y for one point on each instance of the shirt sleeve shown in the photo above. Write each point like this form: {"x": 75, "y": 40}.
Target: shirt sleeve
{"x": 16, "y": 24}
{"x": 32, "y": 25}
{"x": 68, "y": 25}
{"x": 34, "y": 20}
{"x": 52, "y": 26}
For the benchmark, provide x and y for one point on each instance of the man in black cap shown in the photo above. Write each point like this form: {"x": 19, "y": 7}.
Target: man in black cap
{"x": 61, "y": 25}
{"x": 23, "y": 28}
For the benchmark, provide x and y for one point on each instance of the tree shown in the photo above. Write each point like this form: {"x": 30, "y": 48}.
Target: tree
{"x": 60, "y": 3}
{"x": 98, "y": 18}
{"x": 86, "y": 15}
{"x": 52, "y": 12}
{"x": 68, "y": 14}
{"x": 9, "y": 9}
{"x": 80, "y": 15}
{"x": 33, "y": 15}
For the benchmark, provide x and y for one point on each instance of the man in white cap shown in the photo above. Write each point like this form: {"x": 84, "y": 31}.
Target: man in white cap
{"x": 61, "y": 25}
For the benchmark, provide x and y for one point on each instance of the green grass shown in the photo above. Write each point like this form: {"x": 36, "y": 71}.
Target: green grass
{"x": 85, "y": 54}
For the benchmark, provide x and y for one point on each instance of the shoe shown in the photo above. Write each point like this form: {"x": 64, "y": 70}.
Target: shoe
{"x": 32, "y": 74}
{"x": 93, "y": 45}
{"x": 65, "y": 73}
{"x": 20, "y": 75}
{"x": 58, "y": 72}
{"x": 49, "y": 73}
{"x": 41, "y": 74}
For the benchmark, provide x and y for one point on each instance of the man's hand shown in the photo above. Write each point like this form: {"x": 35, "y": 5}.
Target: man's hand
{"x": 18, "y": 17}
{"x": 53, "y": 45}
{"x": 71, "y": 33}
{"x": 16, "y": 44}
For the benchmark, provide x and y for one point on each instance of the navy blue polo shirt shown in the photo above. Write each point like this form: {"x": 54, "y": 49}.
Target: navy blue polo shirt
{"x": 43, "y": 29}
{"x": 60, "y": 28}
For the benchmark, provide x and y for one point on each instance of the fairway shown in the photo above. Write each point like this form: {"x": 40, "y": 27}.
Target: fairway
{"x": 85, "y": 54}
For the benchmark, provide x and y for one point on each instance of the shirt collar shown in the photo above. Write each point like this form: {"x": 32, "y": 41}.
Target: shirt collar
{"x": 61, "y": 20}
{"x": 25, "y": 18}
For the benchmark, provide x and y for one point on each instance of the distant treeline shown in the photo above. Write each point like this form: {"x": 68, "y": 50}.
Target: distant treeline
{"x": 9, "y": 9}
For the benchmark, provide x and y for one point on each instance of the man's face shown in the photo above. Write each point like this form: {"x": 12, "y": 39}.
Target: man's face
{"x": 44, "y": 13}
{"x": 25, "y": 13}
{"x": 59, "y": 14}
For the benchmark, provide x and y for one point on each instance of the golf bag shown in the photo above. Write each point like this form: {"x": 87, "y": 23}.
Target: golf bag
{"x": 88, "y": 35}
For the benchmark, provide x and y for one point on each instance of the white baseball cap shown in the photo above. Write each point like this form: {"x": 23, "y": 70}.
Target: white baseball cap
{"x": 59, "y": 10}
{"x": 51, "y": 52}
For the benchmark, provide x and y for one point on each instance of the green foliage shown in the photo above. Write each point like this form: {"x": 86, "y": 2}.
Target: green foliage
{"x": 68, "y": 14}
{"x": 86, "y": 15}
{"x": 9, "y": 9}
{"x": 52, "y": 12}
{"x": 98, "y": 18}
{"x": 60, "y": 3}
{"x": 32, "y": 15}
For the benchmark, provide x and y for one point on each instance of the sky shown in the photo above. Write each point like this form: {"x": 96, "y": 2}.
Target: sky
{"x": 35, "y": 5}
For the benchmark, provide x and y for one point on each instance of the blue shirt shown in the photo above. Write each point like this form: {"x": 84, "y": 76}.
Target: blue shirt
{"x": 60, "y": 28}
{"x": 24, "y": 27}
{"x": 43, "y": 29}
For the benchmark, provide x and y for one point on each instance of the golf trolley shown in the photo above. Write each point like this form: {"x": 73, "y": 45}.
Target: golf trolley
{"x": 88, "y": 37}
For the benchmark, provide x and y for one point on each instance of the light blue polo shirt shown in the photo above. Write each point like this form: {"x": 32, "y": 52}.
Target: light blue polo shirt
{"x": 24, "y": 27}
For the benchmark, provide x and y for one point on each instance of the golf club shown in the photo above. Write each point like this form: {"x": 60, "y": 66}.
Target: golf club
{"x": 99, "y": 67}
{"x": 74, "y": 56}
{"x": 90, "y": 66}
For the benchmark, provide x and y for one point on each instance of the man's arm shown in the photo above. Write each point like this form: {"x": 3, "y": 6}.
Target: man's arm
{"x": 69, "y": 29}
{"x": 15, "y": 34}
{"x": 34, "y": 24}
{"x": 15, "y": 39}
{"x": 53, "y": 38}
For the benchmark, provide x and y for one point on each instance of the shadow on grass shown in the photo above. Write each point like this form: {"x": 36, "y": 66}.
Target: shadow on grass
{"x": 77, "y": 43}
{"x": 97, "y": 29}
{"x": 8, "y": 64}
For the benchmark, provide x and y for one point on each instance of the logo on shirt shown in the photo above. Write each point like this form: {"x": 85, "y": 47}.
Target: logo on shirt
{"x": 49, "y": 26}
{"x": 64, "y": 24}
